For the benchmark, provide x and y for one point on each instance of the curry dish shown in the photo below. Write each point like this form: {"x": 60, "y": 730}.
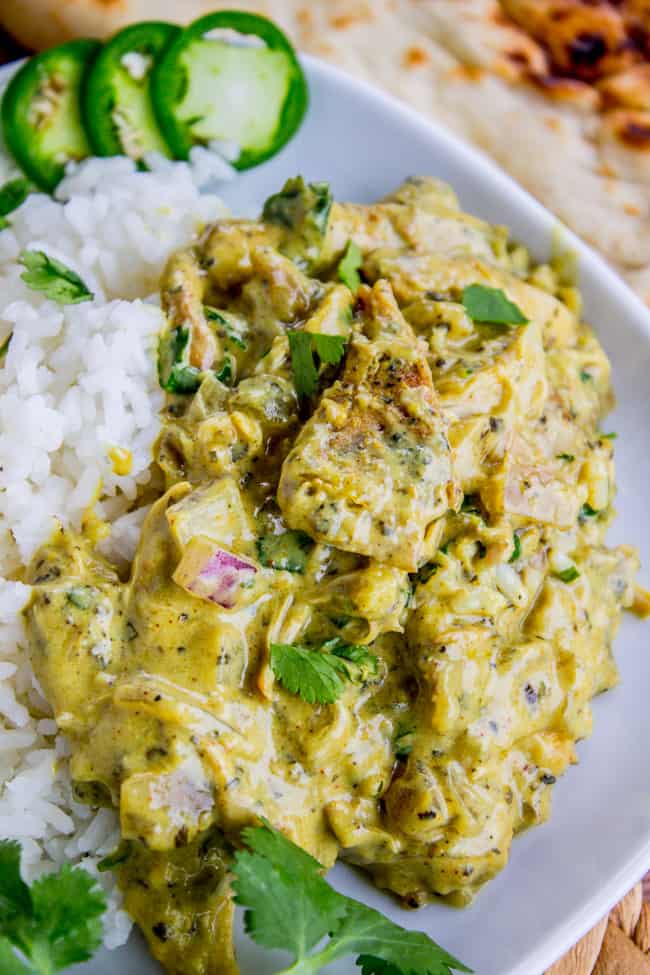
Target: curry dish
{"x": 428, "y": 520}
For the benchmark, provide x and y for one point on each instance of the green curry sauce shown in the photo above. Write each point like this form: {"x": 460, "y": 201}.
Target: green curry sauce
{"x": 425, "y": 503}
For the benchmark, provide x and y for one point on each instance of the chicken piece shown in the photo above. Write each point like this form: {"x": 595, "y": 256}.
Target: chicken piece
{"x": 375, "y": 598}
{"x": 501, "y": 375}
{"x": 183, "y": 293}
{"x": 71, "y": 583}
{"x": 278, "y": 292}
{"x": 226, "y": 251}
{"x": 549, "y": 470}
{"x": 535, "y": 764}
{"x": 370, "y": 472}
{"x": 422, "y": 214}
{"x": 413, "y": 276}
{"x": 214, "y": 510}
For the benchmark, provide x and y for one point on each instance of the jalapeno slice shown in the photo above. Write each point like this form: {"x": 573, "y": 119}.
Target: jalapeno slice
{"x": 117, "y": 109}
{"x": 229, "y": 77}
{"x": 41, "y": 113}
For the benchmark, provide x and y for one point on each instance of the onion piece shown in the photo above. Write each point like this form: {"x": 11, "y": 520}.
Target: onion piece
{"x": 212, "y": 573}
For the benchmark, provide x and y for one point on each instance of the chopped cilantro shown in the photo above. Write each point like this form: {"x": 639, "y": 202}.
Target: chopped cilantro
{"x": 303, "y": 347}
{"x": 516, "y": 551}
{"x": 608, "y": 436}
{"x": 319, "y": 675}
{"x": 225, "y": 373}
{"x": 568, "y": 457}
{"x": 490, "y": 306}
{"x": 119, "y": 855}
{"x": 567, "y": 575}
{"x": 286, "y": 552}
{"x": 403, "y": 741}
{"x": 425, "y": 572}
{"x": 299, "y": 204}
{"x": 585, "y": 376}
{"x": 348, "y": 269}
{"x": 56, "y": 281}
{"x": 175, "y": 375}
{"x": 231, "y": 326}
{"x": 302, "y": 209}
{"x": 588, "y": 512}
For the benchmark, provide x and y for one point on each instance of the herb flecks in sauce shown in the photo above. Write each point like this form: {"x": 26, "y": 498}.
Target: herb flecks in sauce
{"x": 405, "y": 480}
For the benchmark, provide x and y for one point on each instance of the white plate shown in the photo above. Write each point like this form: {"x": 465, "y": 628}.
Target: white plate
{"x": 565, "y": 875}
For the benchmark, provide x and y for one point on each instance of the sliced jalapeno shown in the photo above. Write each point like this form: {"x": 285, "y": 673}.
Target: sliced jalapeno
{"x": 41, "y": 113}
{"x": 116, "y": 101}
{"x": 229, "y": 77}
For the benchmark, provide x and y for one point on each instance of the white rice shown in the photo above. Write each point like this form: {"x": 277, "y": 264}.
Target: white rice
{"x": 78, "y": 380}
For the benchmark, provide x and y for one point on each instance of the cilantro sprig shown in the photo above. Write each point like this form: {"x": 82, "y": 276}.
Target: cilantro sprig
{"x": 490, "y": 306}
{"x": 49, "y": 925}
{"x": 304, "y": 346}
{"x": 57, "y": 282}
{"x": 289, "y": 905}
{"x": 319, "y": 675}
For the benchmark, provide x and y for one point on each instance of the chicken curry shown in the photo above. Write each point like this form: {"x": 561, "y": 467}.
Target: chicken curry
{"x": 371, "y": 600}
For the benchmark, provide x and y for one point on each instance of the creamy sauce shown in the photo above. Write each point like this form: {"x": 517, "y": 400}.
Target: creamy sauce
{"x": 443, "y": 500}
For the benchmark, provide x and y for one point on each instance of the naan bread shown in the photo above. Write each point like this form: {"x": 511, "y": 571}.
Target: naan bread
{"x": 557, "y": 91}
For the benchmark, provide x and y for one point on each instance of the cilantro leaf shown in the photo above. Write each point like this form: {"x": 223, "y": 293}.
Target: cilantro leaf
{"x": 319, "y": 675}
{"x": 305, "y": 376}
{"x": 54, "y": 923}
{"x": 277, "y": 873}
{"x": 57, "y": 282}
{"x": 367, "y": 933}
{"x": 316, "y": 677}
{"x": 330, "y": 348}
{"x": 365, "y": 664}
{"x": 303, "y": 345}
{"x": 348, "y": 269}
{"x": 569, "y": 458}
{"x": 12, "y": 194}
{"x": 289, "y": 905}
{"x": 491, "y": 306}
{"x": 68, "y": 906}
